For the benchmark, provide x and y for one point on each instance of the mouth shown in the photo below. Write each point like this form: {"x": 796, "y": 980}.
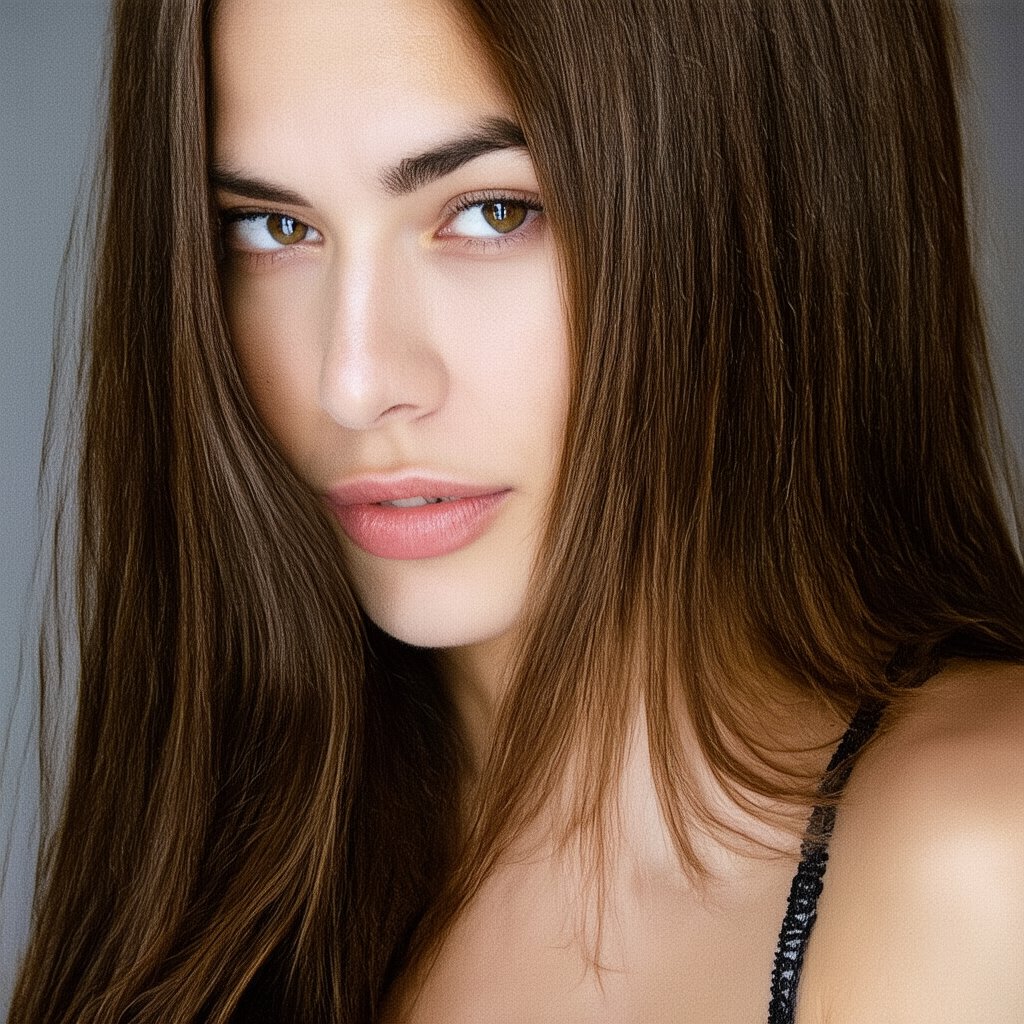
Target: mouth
{"x": 411, "y": 518}
{"x": 414, "y": 502}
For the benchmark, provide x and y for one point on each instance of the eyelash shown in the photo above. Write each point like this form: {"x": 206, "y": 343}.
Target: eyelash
{"x": 238, "y": 215}
{"x": 474, "y": 199}
{"x": 532, "y": 205}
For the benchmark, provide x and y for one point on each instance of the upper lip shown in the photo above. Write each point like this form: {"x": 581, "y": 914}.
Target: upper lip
{"x": 372, "y": 489}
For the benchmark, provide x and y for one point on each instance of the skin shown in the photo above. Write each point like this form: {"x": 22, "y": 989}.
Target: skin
{"x": 399, "y": 335}
{"x": 923, "y": 911}
{"x": 395, "y": 336}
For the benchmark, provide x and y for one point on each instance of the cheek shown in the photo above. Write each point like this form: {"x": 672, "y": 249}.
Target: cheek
{"x": 270, "y": 334}
{"x": 503, "y": 330}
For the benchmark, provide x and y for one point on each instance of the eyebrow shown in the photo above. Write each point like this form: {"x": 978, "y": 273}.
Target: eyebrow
{"x": 414, "y": 172}
{"x": 408, "y": 175}
{"x": 254, "y": 188}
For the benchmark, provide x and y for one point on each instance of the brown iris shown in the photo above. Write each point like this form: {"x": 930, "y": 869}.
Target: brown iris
{"x": 504, "y": 217}
{"x": 286, "y": 230}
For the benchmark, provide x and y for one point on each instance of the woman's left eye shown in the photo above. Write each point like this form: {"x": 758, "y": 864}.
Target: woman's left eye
{"x": 265, "y": 232}
{"x": 494, "y": 218}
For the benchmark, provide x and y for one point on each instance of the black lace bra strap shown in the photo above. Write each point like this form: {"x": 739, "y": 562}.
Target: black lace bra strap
{"x": 802, "y": 908}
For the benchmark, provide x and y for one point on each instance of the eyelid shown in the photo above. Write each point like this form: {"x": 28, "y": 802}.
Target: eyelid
{"x": 469, "y": 200}
{"x": 232, "y": 215}
{"x": 236, "y": 215}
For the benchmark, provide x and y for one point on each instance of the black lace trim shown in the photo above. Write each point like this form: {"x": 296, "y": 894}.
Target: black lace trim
{"x": 802, "y": 908}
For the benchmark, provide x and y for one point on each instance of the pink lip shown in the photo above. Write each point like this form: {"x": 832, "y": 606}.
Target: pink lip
{"x": 423, "y": 531}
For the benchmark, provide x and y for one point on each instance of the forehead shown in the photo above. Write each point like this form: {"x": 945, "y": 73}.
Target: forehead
{"x": 370, "y": 73}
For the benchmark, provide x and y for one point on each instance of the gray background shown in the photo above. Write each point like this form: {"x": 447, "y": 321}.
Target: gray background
{"x": 50, "y": 67}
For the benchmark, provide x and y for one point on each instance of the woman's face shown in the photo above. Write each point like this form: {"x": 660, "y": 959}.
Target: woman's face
{"x": 393, "y": 297}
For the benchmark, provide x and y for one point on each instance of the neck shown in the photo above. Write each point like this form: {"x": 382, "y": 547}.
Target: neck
{"x": 799, "y": 726}
{"x": 477, "y": 677}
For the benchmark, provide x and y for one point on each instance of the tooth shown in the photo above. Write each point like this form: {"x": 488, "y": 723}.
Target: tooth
{"x": 416, "y": 502}
{"x": 407, "y": 502}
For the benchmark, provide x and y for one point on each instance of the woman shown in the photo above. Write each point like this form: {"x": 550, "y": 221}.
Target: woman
{"x": 519, "y": 444}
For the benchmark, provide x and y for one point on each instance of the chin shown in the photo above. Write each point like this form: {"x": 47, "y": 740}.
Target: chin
{"x": 439, "y": 620}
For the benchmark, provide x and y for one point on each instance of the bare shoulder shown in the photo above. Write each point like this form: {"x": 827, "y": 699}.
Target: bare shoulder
{"x": 922, "y": 913}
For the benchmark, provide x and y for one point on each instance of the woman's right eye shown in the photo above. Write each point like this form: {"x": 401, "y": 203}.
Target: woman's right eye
{"x": 253, "y": 231}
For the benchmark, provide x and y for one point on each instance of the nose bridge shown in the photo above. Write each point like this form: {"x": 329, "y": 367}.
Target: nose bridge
{"x": 374, "y": 367}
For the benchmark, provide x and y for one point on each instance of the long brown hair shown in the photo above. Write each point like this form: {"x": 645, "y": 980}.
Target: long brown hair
{"x": 781, "y": 440}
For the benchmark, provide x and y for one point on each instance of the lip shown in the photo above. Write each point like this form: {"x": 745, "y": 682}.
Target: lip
{"x": 424, "y": 531}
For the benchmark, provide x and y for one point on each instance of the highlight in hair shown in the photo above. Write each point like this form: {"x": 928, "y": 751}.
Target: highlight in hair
{"x": 782, "y": 463}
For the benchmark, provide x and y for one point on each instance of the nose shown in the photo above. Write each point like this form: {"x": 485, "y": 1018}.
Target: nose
{"x": 380, "y": 363}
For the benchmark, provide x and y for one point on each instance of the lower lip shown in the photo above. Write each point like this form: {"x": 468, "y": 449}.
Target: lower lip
{"x": 424, "y": 531}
